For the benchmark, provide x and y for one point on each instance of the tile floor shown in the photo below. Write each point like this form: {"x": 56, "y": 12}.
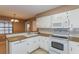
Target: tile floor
{"x": 39, "y": 51}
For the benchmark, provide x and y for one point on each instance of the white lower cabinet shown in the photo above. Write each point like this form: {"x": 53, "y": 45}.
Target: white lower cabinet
{"x": 28, "y": 45}
{"x": 73, "y": 47}
{"x": 41, "y": 43}
{"x": 18, "y": 47}
{"x": 33, "y": 44}
{"x": 24, "y": 46}
{"x": 44, "y": 44}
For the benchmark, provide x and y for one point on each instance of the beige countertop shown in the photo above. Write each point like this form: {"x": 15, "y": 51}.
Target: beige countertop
{"x": 72, "y": 38}
{"x": 42, "y": 34}
{"x": 17, "y": 38}
{"x": 21, "y": 37}
{"x": 75, "y": 39}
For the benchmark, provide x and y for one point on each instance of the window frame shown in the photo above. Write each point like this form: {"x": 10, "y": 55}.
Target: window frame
{"x": 8, "y": 27}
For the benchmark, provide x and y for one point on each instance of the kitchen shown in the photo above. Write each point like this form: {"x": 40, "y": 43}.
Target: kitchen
{"x": 49, "y": 29}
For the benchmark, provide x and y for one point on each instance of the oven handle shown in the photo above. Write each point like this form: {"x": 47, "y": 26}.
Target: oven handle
{"x": 59, "y": 37}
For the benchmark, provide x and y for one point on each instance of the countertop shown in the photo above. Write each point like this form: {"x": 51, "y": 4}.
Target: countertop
{"x": 75, "y": 39}
{"x": 21, "y": 37}
{"x": 71, "y": 37}
{"x": 42, "y": 34}
{"x": 17, "y": 38}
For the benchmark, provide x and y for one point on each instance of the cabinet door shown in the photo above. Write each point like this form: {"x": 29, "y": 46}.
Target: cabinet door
{"x": 14, "y": 47}
{"x": 24, "y": 46}
{"x": 2, "y": 47}
{"x": 29, "y": 48}
{"x": 44, "y": 44}
{"x": 73, "y": 48}
{"x": 41, "y": 42}
{"x": 35, "y": 43}
{"x": 18, "y": 47}
{"x": 44, "y": 22}
{"x": 47, "y": 22}
{"x": 60, "y": 20}
{"x": 32, "y": 44}
{"x": 74, "y": 18}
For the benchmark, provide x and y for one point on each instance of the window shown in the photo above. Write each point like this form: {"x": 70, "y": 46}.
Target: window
{"x": 5, "y": 27}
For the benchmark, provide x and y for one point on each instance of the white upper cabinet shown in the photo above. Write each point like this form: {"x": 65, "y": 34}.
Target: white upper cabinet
{"x": 60, "y": 20}
{"x": 74, "y": 18}
{"x": 44, "y": 22}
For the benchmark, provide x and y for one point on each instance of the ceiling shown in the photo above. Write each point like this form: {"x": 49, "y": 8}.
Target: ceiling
{"x": 24, "y": 11}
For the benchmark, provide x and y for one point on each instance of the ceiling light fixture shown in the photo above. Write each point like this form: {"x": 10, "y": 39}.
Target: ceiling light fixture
{"x": 14, "y": 19}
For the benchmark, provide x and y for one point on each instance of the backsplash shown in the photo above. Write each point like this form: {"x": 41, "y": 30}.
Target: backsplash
{"x": 45, "y": 30}
{"x": 55, "y": 30}
{"x": 74, "y": 31}
{"x": 62, "y": 31}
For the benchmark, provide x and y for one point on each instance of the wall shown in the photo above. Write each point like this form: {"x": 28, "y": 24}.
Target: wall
{"x": 32, "y": 22}
{"x": 19, "y": 27}
{"x": 58, "y": 10}
{"x": 33, "y": 27}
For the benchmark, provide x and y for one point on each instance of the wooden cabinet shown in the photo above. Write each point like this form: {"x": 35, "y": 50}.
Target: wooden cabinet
{"x": 2, "y": 47}
{"x": 73, "y": 47}
{"x": 44, "y": 22}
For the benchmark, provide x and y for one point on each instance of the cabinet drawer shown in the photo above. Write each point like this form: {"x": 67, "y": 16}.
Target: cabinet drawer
{"x": 2, "y": 43}
{"x": 2, "y": 47}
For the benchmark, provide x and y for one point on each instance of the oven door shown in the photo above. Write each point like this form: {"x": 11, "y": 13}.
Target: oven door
{"x": 59, "y": 45}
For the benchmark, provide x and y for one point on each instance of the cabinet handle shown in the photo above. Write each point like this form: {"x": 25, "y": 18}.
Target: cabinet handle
{"x": 71, "y": 48}
{"x": 77, "y": 45}
{"x": 27, "y": 43}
